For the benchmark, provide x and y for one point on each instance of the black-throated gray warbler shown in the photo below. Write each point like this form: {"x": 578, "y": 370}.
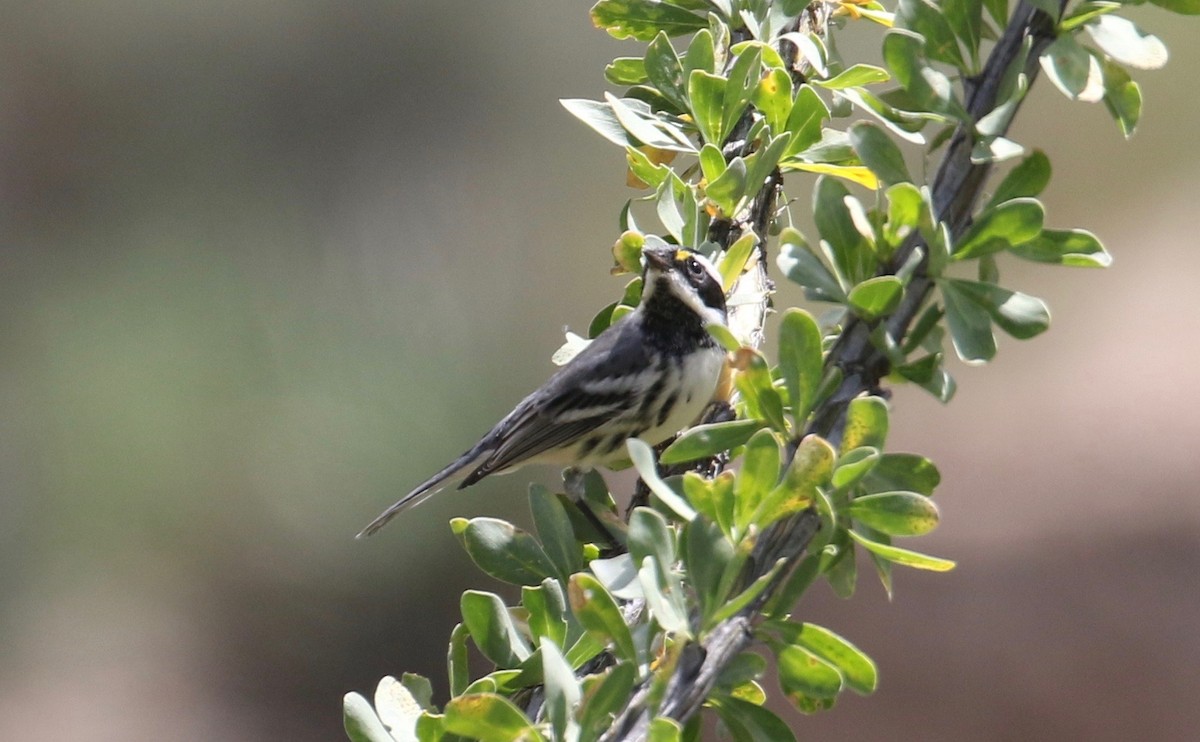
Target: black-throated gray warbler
{"x": 647, "y": 376}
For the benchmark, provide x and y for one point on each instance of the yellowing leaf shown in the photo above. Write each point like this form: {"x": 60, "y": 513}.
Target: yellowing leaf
{"x": 853, "y": 173}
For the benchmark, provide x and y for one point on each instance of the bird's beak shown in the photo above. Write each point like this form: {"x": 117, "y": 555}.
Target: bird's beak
{"x": 659, "y": 258}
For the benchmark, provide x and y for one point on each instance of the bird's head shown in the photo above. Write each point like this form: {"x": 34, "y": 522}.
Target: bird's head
{"x": 685, "y": 276}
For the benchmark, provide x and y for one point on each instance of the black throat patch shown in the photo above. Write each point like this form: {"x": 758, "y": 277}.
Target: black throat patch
{"x": 673, "y": 326}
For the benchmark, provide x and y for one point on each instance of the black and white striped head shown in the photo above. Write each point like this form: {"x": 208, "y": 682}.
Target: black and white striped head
{"x": 675, "y": 275}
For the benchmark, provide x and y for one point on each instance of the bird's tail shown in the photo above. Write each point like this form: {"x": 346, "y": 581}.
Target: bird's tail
{"x": 430, "y": 487}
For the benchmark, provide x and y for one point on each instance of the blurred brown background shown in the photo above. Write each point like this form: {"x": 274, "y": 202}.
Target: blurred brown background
{"x": 265, "y": 265}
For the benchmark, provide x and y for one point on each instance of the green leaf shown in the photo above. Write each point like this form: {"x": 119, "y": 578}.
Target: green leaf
{"x": 905, "y": 214}
{"x": 926, "y": 332}
{"x": 603, "y": 697}
{"x": 562, "y": 690}
{"x": 994, "y": 149}
{"x": 759, "y": 474}
{"x": 706, "y": 94}
{"x": 456, "y": 660}
{"x": 665, "y": 71}
{"x": 930, "y": 374}
{"x": 547, "y": 609}
{"x": 965, "y": 18}
{"x": 855, "y": 76}
{"x": 361, "y": 722}
{"x": 744, "y": 668}
{"x": 1122, "y": 98}
{"x": 667, "y": 209}
{"x": 601, "y": 322}
{"x": 879, "y": 152}
{"x": 773, "y": 97}
{"x": 664, "y": 729}
{"x": 618, "y": 574}
{"x": 599, "y": 614}
{"x": 1073, "y": 70}
{"x": 626, "y": 71}
{"x": 733, "y": 261}
{"x": 866, "y": 424}
{"x": 896, "y": 513}
{"x": 1027, "y": 180}
{"x": 857, "y": 669}
{"x": 1086, "y": 11}
{"x": 1074, "y": 247}
{"x": 904, "y": 556}
{"x": 876, "y": 297}
{"x": 432, "y": 728}
{"x": 643, "y": 19}
{"x": 724, "y": 337}
{"x": 757, "y": 388}
{"x": 600, "y": 117}
{"x": 842, "y": 569}
{"x": 883, "y": 568}
{"x": 804, "y": 122}
{"x": 1001, "y": 227}
{"x": 743, "y": 79}
{"x": 811, "y": 467}
{"x": 926, "y": 19}
{"x": 802, "y": 674}
{"x": 761, "y": 163}
{"x": 554, "y": 529}
{"x": 419, "y": 688}
{"x": 643, "y": 460}
{"x": 853, "y": 466}
{"x": 701, "y": 54}
{"x": 696, "y": 223}
{"x": 644, "y": 126}
{"x": 904, "y": 52}
{"x": 970, "y": 324}
{"x": 1020, "y": 315}
{"x": 748, "y": 722}
{"x": 649, "y": 536}
{"x": 489, "y": 717}
{"x": 998, "y": 10}
{"x": 713, "y": 498}
{"x": 853, "y": 258}
{"x": 666, "y": 603}
{"x": 492, "y": 629}
{"x": 706, "y": 554}
{"x": 728, "y": 188}
{"x": 903, "y": 124}
{"x": 734, "y": 605}
{"x": 801, "y": 266}
{"x": 707, "y": 440}
{"x": 504, "y": 551}
{"x": 1120, "y": 39}
{"x": 903, "y": 471}
{"x": 712, "y": 162}
{"x": 800, "y": 360}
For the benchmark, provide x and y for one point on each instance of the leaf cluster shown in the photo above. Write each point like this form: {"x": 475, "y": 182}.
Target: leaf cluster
{"x": 729, "y": 99}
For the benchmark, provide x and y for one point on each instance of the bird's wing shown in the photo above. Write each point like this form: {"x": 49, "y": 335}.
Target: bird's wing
{"x": 537, "y": 435}
{"x": 581, "y": 397}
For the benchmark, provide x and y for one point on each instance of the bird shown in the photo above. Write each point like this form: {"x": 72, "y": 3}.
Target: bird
{"x": 648, "y": 375}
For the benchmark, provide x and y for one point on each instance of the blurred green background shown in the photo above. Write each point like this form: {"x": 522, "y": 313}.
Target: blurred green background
{"x": 266, "y": 265}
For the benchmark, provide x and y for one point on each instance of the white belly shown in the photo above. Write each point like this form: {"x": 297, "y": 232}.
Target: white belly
{"x": 696, "y": 380}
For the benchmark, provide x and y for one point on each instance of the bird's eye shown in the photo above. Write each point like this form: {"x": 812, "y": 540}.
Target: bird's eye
{"x": 694, "y": 267}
